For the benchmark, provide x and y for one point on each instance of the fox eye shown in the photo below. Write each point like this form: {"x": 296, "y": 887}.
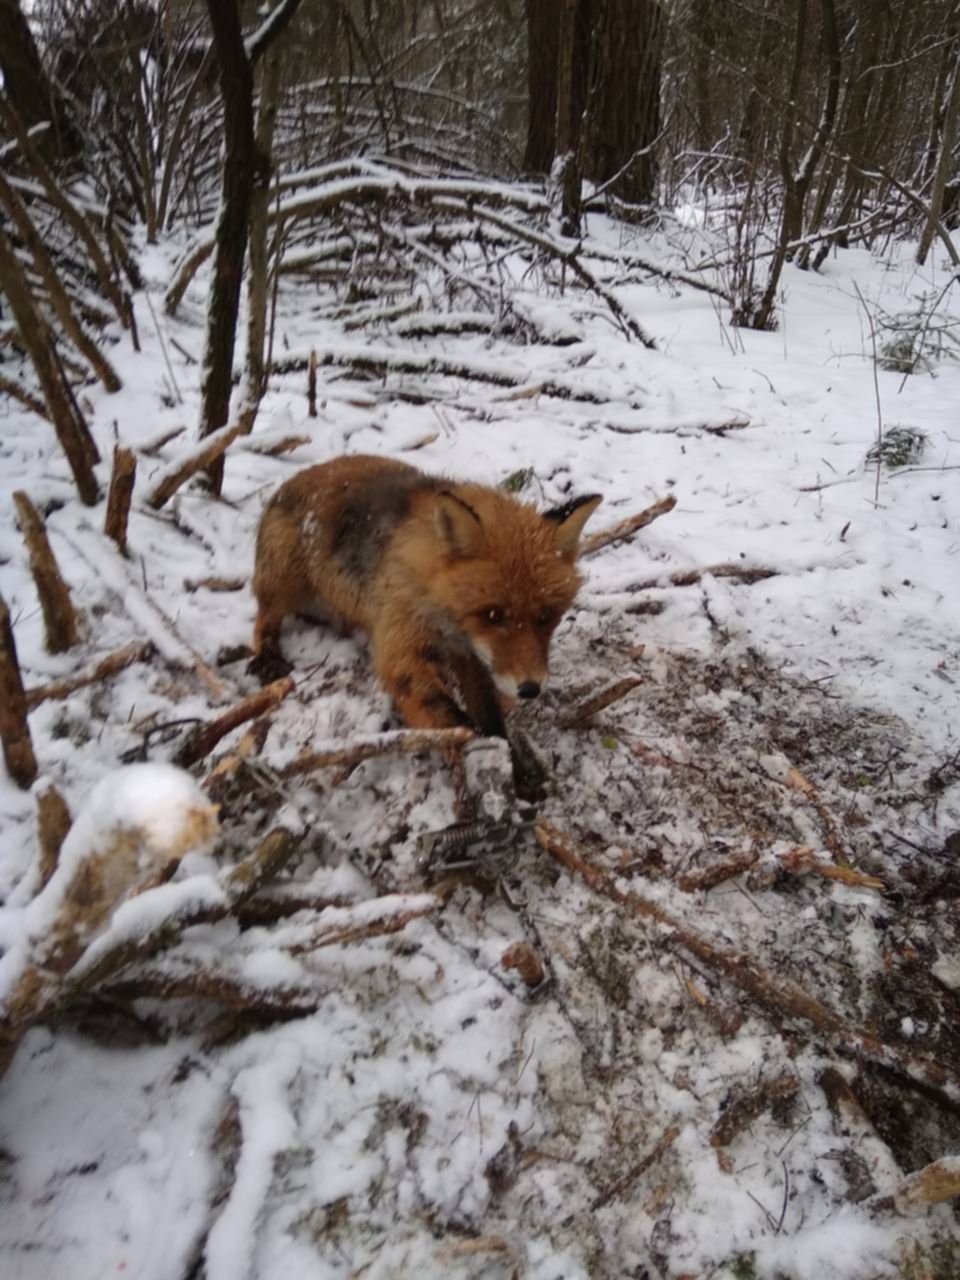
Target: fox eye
{"x": 544, "y": 618}
{"x": 496, "y": 617}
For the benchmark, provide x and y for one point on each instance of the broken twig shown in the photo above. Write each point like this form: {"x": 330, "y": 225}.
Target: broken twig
{"x": 206, "y": 736}
{"x": 624, "y": 529}
{"x": 113, "y": 663}
{"x": 407, "y": 741}
{"x": 209, "y": 451}
{"x": 597, "y": 702}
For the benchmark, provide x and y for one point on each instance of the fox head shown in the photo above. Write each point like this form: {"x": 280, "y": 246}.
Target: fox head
{"x": 507, "y": 576}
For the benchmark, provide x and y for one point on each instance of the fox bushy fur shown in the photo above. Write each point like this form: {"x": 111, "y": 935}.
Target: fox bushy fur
{"x": 459, "y": 586}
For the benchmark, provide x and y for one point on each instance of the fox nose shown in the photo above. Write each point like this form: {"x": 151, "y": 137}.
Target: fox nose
{"x": 529, "y": 689}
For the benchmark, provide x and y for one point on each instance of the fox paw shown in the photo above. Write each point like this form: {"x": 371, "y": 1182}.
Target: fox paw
{"x": 269, "y": 665}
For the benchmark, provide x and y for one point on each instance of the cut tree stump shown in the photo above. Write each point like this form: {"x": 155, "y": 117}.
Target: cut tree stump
{"x": 118, "y": 500}
{"x": 59, "y": 615}
{"x": 14, "y": 730}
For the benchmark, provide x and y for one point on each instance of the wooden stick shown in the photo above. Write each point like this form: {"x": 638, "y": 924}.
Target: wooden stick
{"x": 624, "y": 529}
{"x": 274, "y": 448}
{"x": 746, "y": 1105}
{"x": 312, "y": 385}
{"x": 206, "y": 736}
{"x": 214, "y": 584}
{"x": 199, "y": 459}
{"x": 690, "y": 577}
{"x": 118, "y": 500}
{"x": 53, "y": 823}
{"x": 371, "y": 929}
{"x": 192, "y": 981}
{"x": 113, "y": 663}
{"x": 779, "y": 995}
{"x": 805, "y": 860}
{"x": 703, "y": 878}
{"x": 623, "y": 1183}
{"x": 14, "y": 730}
{"x": 10, "y": 387}
{"x": 408, "y": 741}
{"x": 59, "y": 616}
{"x": 600, "y": 701}
{"x": 931, "y": 1185}
{"x": 152, "y": 447}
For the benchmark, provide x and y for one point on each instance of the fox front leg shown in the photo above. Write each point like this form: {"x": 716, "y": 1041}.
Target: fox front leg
{"x": 411, "y": 669}
{"x": 479, "y": 695}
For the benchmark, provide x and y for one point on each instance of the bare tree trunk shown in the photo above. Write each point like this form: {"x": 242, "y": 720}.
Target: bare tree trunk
{"x": 14, "y": 729}
{"x": 797, "y": 181}
{"x": 72, "y": 431}
{"x": 948, "y": 135}
{"x": 543, "y": 52}
{"x": 257, "y": 284}
{"x": 240, "y": 164}
{"x": 56, "y": 292}
{"x": 572, "y": 64}
{"x": 28, "y": 87}
{"x": 625, "y": 99}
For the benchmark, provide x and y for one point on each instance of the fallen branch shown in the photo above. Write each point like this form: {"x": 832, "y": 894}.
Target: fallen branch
{"x": 393, "y": 922}
{"x": 113, "y": 663}
{"x": 202, "y": 456}
{"x": 214, "y": 584}
{"x": 727, "y": 1021}
{"x": 59, "y": 616}
{"x": 272, "y": 448}
{"x": 690, "y": 577}
{"x": 312, "y": 385}
{"x": 381, "y": 361}
{"x": 784, "y": 998}
{"x": 795, "y": 780}
{"x": 407, "y": 741}
{"x": 844, "y": 1104}
{"x": 10, "y": 387}
{"x": 183, "y": 980}
{"x": 206, "y": 736}
{"x": 805, "y": 861}
{"x": 152, "y": 447}
{"x": 704, "y": 878}
{"x": 626, "y": 528}
{"x": 587, "y": 709}
{"x": 933, "y": 1184}
{"x": 14, "y": 730}
{"x": 623, "y": 1183}
{"x": 569, "y": 255}
{"x": 744, "y": 1106}
{"x": 122, "y": 480}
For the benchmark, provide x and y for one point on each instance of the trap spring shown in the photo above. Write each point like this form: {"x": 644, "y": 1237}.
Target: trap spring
{"x": 494, "y": 770}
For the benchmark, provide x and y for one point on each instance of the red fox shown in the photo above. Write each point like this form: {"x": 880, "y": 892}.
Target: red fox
{"x": 459, "y": 585}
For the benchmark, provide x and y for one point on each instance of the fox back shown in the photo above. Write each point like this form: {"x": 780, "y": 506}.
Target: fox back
{"x": 459, "y": 584}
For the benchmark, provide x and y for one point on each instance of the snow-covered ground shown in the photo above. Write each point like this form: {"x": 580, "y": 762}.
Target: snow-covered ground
{"x": 432, "y": 1117}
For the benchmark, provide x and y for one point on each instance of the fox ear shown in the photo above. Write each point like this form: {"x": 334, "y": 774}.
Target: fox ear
{"x": 568, "y": 522}
{"x": 458, "y": 526}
